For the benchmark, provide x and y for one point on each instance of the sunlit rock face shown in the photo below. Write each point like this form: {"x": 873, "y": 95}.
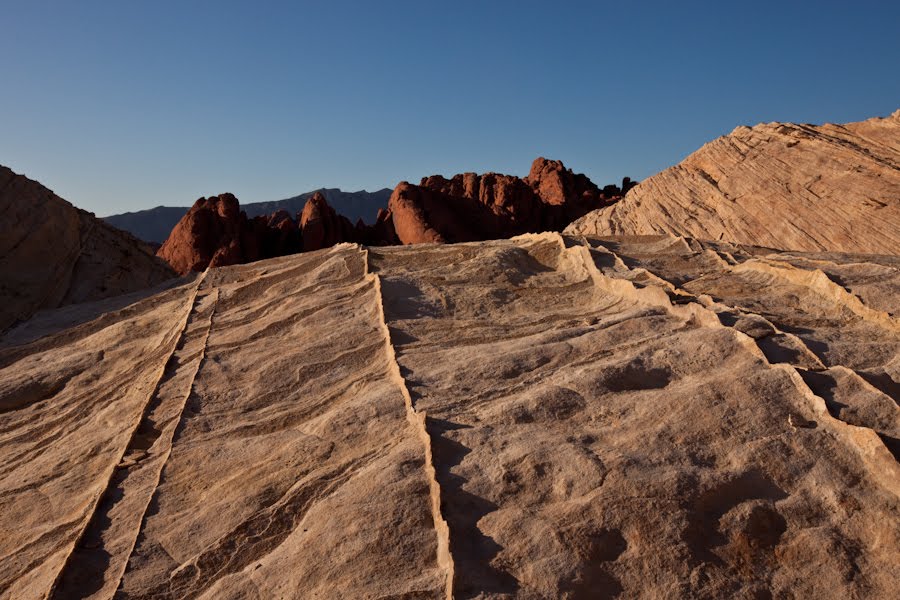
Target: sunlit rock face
{"x": 538, "y": 417}
{"x": 779, "y": 185}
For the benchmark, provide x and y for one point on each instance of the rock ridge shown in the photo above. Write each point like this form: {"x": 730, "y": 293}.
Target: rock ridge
{"x": 53, "y": 254}
{"x": 778, "y": 185}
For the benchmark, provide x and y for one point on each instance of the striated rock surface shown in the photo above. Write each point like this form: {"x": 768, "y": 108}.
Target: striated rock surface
{"x": 471, "y": 207}
{"x": 53, "y": 254}
{"x": 540, "y": 417}
{"x": 779, "y": 185}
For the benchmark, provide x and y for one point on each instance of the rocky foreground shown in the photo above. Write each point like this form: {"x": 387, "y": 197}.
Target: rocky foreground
{"x": 779, "y": 185}
{"x": 541, "y": 417}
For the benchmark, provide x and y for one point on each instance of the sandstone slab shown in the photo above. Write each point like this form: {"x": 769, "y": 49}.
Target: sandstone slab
{"x": 538, "y": 417}
{"x": 778, "y": 185}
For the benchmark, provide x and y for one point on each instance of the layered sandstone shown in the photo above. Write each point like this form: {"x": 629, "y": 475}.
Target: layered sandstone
{"x": 540, "y": 417}
{"x": 53, "y": 254}
{"x": 780, "y": 185}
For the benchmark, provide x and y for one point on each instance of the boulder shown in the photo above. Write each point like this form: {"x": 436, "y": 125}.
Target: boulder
{"x": 321, "y": 227}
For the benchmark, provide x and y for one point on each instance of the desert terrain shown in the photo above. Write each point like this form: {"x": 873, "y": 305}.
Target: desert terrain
{"x": 505, "y": 388}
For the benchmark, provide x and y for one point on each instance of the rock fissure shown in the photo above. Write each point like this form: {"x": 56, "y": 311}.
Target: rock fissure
{"x": 109, "y": 477}
{"x": 171, "y": 439}
{"x": 419, "y": 421}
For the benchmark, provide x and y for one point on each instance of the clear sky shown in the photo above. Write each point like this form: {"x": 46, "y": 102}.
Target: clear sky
{"x": 123, "y": 105}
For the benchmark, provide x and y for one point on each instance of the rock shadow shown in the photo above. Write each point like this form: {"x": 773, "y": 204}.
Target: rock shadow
{"x": 471, "y": 549}
{"x": 825, "y": 386}
{"x": 884, "y": 383}
{"x": 818, "y": 347}
{"x": 594, "y": 581}
{"x": 762, "y": 525}
{"x": 84, "y": 573}
{"x": 405, "y": 300}
{"x": 635, "y": 376}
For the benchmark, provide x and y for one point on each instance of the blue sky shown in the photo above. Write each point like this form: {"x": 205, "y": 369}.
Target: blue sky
{"x": 120, "y": 106}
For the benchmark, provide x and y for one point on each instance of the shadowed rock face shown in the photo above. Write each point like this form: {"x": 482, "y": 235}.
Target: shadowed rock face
{"x": 538, "y": 417}
{"x": 779, "y": 185}
{"x": 321, "y": 226}
{"x": 53, "y": 254}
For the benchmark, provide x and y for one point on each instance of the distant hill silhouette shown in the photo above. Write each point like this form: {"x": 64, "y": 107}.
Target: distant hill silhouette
{"x": 155, "y": 224}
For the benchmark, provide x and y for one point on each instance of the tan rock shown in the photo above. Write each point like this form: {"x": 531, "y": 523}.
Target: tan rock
{"x": 539, "y": 417}
{"x": 779, "y": 185}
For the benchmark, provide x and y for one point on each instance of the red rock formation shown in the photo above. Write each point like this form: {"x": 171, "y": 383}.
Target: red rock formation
{"x": 382, "y": 233}
{"x": 216, "y": 233}
{"x": 498, "y": 205}
{"x": 424, "y": 215}
{"x": 489, "y": 206}
{"x": 557, "y": 185}
{"x": 321, "y": 227}
{"x": 282, "y": 234}
{"x": 466, "y": 207}
{"x": 209, "y": 234}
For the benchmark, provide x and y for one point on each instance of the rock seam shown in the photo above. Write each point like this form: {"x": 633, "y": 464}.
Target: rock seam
{"x": 99, "y": 497}
{"x": 201, "y": 359}
{"x": 418, "y": 420}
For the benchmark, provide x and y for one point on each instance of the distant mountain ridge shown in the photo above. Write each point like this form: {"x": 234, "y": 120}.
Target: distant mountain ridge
{"x": 155, "y": 224}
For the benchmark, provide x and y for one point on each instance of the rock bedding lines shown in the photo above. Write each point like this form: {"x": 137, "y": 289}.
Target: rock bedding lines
{"x": 544, "y": 416}
{"x": 112, "y": 533}
{"x": 778, "y": 185}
